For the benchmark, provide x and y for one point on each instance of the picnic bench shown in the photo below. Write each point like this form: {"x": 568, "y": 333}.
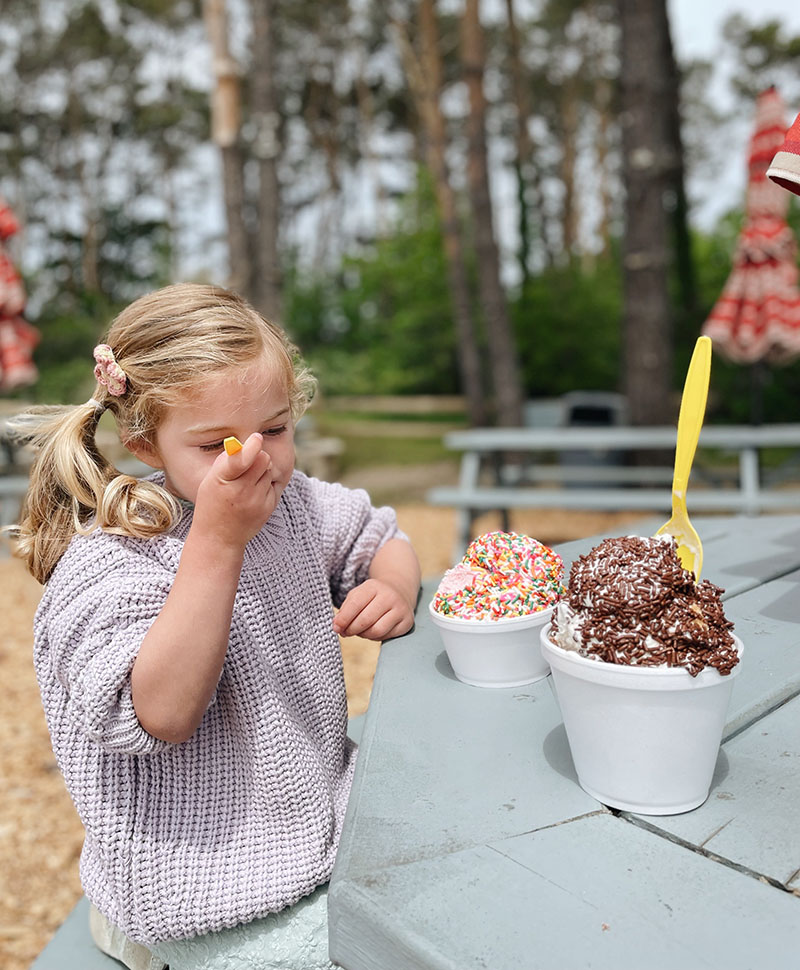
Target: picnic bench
{"x": 72, "y": 947}
{"x": 469, "y": 844}
{"x": 514, "y": 468}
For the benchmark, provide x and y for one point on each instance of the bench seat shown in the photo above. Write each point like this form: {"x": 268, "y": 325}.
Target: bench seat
{"x": 72, "y": 947}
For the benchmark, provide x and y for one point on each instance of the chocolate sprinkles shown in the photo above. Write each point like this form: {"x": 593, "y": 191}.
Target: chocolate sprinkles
{"x": 629, "y": 601}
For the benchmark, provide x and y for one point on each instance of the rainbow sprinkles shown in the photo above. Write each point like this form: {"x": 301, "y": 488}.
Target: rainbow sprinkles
{"x": 502, "y": 574}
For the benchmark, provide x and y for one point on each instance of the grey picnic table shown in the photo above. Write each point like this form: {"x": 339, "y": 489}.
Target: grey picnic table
{"x": 590, "y": 470}
{"x": 469, "y": 844}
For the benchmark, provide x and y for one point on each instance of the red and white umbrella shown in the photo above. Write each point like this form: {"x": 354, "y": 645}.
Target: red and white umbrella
{"x": 757, "y": 316}
{"x": 17, "y": 336}
{"x": 785, "y": 167}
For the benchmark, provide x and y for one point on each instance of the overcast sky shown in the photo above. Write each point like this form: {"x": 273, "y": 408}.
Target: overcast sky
{"x": 696, "y": 27}
{"x": 697, "y": 24}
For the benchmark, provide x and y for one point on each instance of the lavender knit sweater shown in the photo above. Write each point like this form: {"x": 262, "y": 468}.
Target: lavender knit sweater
{"x": 243, "y": 818}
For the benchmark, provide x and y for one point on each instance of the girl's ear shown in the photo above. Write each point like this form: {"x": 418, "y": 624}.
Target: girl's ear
{"x": 144, "y": 451}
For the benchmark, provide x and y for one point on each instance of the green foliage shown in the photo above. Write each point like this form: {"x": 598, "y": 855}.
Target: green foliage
{"x": 567, "y": 324}
{"x": 70, "y": 382}
{"x": 382, "y": 324}
{"x": 89, "y": 132}
{"x": 133, "y": 256}
{"x": 70, "y": 327}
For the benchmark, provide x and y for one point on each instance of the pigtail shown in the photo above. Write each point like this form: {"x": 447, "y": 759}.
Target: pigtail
{"x": 74, "y": 489}
{"x": 160, "y": 350}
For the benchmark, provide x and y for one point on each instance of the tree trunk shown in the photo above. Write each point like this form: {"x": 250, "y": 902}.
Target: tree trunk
{"x": 90, "y": 243}
{"x": 267, "y": 284}
{"x": 366, "y": 111}
{"x": 225, "y": 122}
{"x": 425, "y": 82}
{"x": 602, "y": 106}
{"x": 502, "y": 354}
{"x": 682, "y": 241}
{"x": 528, "y": 185}
{"x": 569, "y": 158}
{"x": 321, "y": 117}
{"x": 647, "y": 162}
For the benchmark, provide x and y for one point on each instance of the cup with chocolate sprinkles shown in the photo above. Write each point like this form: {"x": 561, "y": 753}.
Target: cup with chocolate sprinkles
{"x": 643, "y": 662}
{"x": 490, "y": 607}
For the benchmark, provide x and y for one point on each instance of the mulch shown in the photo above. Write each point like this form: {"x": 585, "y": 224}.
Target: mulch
{"x": 40, "y": 834}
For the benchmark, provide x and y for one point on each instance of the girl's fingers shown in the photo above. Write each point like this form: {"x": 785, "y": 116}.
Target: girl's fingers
{"x": 354, "y": 604}
{"x": 386, "y": 626}
{"x": 370, "y": 616}
{"x": 231, "y": 467}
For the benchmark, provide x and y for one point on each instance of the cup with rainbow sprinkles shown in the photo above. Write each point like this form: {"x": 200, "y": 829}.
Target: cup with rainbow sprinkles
{"x": 490, "y": 607}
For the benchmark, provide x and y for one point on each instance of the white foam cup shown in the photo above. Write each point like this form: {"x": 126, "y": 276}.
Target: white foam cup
{"x": 495, "y": 653}
{"x": 643, "y": 739}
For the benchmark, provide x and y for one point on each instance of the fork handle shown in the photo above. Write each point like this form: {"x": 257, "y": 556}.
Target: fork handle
{"x": 690, "y": 419}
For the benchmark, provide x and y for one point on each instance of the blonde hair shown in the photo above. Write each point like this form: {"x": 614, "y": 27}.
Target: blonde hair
{"x": 167, "y": 342}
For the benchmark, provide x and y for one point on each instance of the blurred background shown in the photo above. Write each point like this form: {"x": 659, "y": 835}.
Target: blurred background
{"x": 460, "y": 211}
{"x": 429, "y": 196}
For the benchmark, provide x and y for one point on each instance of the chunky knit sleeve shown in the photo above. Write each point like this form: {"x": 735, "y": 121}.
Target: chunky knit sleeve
{"x": 96, "y": 610}
{"x": 351, "y": 531}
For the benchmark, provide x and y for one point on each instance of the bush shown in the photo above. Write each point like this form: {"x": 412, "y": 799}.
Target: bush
{"x": 567, "y": 326}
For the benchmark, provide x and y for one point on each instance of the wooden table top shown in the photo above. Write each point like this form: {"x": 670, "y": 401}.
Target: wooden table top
{"x": 468, "y": 842}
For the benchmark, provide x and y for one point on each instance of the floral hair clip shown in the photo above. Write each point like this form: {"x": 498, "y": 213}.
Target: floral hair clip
{"x": 108, "y": 372}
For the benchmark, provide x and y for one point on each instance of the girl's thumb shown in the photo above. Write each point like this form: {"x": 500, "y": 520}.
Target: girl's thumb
{"x": 231, "y": 466}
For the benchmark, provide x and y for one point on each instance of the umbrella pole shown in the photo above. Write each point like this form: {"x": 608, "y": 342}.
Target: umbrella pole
{"x": 758, "y": 376}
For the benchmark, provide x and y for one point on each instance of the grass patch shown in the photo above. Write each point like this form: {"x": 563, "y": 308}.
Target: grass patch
{"x": 380, "y": 417}
{"x": 367, "y": 452}
{"x": 376, "y": 439}
{"x": 728, "y": 458}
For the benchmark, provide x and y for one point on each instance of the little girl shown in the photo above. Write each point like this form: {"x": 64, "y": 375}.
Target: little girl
{"x": 186, "y": 645}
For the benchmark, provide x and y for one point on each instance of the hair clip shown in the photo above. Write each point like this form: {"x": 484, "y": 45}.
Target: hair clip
{"x": 108, "y": 372}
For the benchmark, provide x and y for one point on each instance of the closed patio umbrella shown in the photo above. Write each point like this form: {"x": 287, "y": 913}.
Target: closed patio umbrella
{"x": 17, "y": 336}
{"x": 757, "y": 316}
{"x": 785, "y": 167}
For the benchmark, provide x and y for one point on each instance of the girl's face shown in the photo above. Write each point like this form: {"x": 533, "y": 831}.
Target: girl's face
{"x": 238, "y": 402}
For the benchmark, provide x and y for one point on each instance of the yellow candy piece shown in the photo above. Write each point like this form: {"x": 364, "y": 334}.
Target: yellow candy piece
{"x": 232, "y": 445}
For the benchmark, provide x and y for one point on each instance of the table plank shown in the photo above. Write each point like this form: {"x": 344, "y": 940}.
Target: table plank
{"x": 597, "y": 891}
{"x": 765, "y": 619}
{"x": 72, "y": 947}
{"x": 426, "y": 735}
{"x": 752, "y": 815}
{"x": 468, "y": 842}
{"x": 733, "y": 437}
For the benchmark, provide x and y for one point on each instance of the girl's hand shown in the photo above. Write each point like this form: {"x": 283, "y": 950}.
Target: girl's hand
{"x": 238, "y": 495}
{"x": 375, "y": 610}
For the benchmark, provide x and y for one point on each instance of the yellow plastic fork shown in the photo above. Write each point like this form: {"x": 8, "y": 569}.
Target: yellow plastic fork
{"x": 690, "y": 421}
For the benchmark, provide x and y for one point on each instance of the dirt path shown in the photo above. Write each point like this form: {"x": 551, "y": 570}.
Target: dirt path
{"x": 40, "y": 835}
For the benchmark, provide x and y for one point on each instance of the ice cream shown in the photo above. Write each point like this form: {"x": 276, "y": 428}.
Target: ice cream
{"x": 502, "y": 574}
{"x": 629, "y": 601}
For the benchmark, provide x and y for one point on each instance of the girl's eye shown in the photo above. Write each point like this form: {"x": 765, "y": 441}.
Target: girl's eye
{"x": 268, "y": 433}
